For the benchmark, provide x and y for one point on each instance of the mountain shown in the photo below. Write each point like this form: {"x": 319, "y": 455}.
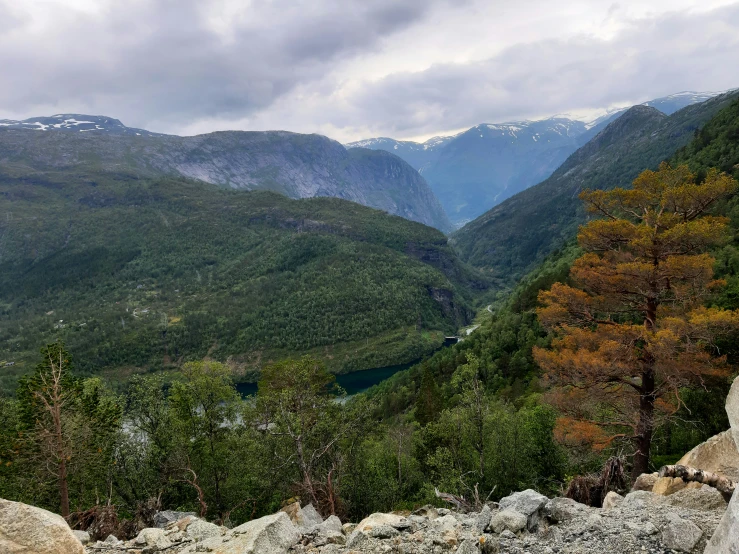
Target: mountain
{"x": 419, "y": 155}
{"x": 75, "y": 123}
{"x": 520, "y": 232}
{"x": 299, "y": 166}
{"x": 674, "y": 102}
{"x": 475, "y": 170}
{"x": 142, "y": 274}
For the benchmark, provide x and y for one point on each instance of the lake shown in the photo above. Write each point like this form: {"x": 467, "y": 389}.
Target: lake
{"x": 352, "y": 383}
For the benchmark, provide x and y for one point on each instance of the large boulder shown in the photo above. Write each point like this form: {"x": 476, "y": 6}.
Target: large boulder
{"x": 26, "y": 529}
{"x": 725, "y": 540}
{"x": 719, "y": 454}
{"x": 273, "y": 534}
{"x": 732, "y": 409}
{"x": 528, "y": 503}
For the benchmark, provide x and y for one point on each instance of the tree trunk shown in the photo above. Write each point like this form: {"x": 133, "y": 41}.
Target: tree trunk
{"x": 63, "y": 488}
{"x": 645, "y": 427}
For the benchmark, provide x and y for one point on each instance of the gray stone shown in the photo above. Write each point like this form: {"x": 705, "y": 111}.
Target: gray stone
{"x": 642, "y": 499}
{"x": 82, "y": 536}
{"x": 26, "y": 529}
{"x": 468, "y": 547}
{"x": 508, "y": 519}
{"x": 199, "y": 530}
{"x": 612, "y": 500}
{"x": 507, "y": 534}
{"x": 705, "y": 499}
{"x": 564, "y": 509}
{"x": 645, "y": 482}
{"x": 725, "y": 539}
{"x": 273, "y": 534}
{"x": 681, "y": 534}
{"x": 528, "y": 503}
{"x": 384, "y": 532}
{"x": 482, "y": 521}
{"x": 153, "y": 537}
{"x": 732, "y": 410}
{"x": 164, "y": 518}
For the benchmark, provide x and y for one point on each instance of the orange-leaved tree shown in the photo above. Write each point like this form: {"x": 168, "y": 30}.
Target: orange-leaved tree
{"x": 633, "y": 330}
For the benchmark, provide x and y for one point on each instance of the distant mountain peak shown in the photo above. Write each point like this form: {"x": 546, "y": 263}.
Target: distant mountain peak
{"x": 75, "y": 122}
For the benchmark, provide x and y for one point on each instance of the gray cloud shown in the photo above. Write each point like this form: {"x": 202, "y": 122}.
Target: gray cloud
{"x": 674, "y": 52}
{"x": 160, "y": 60}
{"x": 165, "y": 65}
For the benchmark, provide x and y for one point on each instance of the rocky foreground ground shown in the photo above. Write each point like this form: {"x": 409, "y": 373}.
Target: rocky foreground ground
{"x": 525, "y": 522}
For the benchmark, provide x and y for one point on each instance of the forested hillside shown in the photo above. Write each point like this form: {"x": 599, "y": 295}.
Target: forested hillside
{"x": 502, "y": 346}
{"x": 513, "y": 237}
{"x": 138, "y": 275}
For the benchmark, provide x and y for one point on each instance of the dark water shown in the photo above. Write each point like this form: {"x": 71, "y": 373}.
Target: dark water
{"x": 352, "y": 383}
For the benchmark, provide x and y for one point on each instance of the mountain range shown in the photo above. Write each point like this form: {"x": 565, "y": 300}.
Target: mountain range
{"x": 517, "y": 234}
{"x": 298, "y": 166}
{"x": 477, "y": 169}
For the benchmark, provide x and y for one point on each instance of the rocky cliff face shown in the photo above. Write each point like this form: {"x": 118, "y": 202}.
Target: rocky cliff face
{"x": 299, "y": 166}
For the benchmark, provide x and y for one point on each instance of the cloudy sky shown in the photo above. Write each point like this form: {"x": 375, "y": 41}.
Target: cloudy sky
{"x": 353, "y": 69}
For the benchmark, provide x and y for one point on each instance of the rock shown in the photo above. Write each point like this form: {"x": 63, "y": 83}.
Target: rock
{"x": 665, "y": 486}
{"x": 732, "y": 410}
{"x": 468, "y": 547}
{"x": 199, "y": 530}
{"x": 26, "y": 529}
{"x": 164, "y": 518}
{"x": 368, "y": 523}
{"x": 82, "y": 536}
{"x": 112, "y": 540}
{"x": 642, "y": 499}
{"x": 482, "y": 521}
{"x": 719, "y": 454}
{"x": 705, "y": 499}
{"x": 645, "y": 482}
{"x": 303, "y": 517}
{"x": 153, "y": 537}
{"x": 427, "y": 511}
{"x": 725, "y": 540}
{"x": 680, "y": 534}
{"x": 384, "y": 532}
{"x": 508, "y": 535}
{"x": 273, "y": 534}
{"x": 508, "y": 519}
{"x": 528, "y": 503}
{"x": 611, "y": 500}
{"x": 348, "y": 528}
{"x": 564, "y": 509}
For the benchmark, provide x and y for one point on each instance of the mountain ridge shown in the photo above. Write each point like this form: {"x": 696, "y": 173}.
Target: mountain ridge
{"x": 297, "y": 165}
{"x": 475, "y": 170}
{"x": 512, "y": 237}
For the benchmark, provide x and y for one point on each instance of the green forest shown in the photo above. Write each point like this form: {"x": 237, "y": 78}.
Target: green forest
{"x": 136, "y": 275}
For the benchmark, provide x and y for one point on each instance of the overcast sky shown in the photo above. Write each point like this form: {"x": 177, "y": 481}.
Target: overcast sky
{"x": 354, "y": 69}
